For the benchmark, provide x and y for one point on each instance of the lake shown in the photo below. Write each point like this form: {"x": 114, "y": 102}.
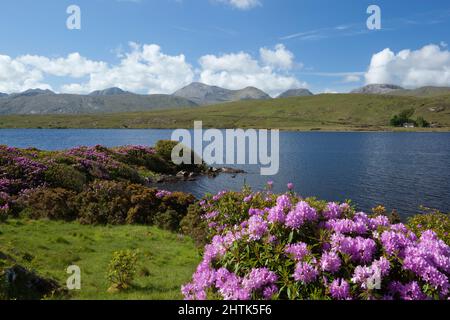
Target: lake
{"x": 399, "y": 170}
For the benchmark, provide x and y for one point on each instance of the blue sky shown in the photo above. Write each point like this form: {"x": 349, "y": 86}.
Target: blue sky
{"x": 324, "y": 45}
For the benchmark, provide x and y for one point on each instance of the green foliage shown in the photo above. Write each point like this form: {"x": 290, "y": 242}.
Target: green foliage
{"x": 164, "y": 149}
{"x": 402, "y": 118}
{"x": 65, "y": 176}
{"x": 422, "y": 123}
{"x": 48, "y": 203}
{"x": 168, "y": 220}
{"x": 112, "y": 202}
{"x": 431, "y": 220}
{"x": 405, "y": 117}
{"x": 122, "y": 269}
{"x": 194, "y": 226}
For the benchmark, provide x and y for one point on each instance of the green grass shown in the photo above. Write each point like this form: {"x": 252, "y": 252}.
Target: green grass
{"x": 341, "y": 112}
{"x": 49, "y": 247}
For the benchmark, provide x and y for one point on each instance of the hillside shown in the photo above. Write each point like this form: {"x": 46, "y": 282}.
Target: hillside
{"x": 424, "y": 92}
{"x": 35, "y": 102}
{"x": 203, "y": 94}
{"x": 321, "y": 112}
{"x": 296, "y": 93}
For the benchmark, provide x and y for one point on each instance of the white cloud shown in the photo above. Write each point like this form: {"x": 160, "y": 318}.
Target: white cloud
{"x": 143, "y": 69}
{"x": 242, "y": 4}
{"x": 239, "y": 70}
{"x": 74, "y": 65}
{"x": 278, "y": 58}
{"x": 146, "y": 69}
{"x": 16, "y": 76}
{"x": 428, "y": 66}
{"x": 351, "y": 78}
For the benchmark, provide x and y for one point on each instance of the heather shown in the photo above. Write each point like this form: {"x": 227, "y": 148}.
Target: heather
{"x": 93, "y": 185}
{"x": 261, "y": 245}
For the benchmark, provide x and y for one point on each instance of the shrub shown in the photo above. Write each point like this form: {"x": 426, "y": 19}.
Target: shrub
{"x": 194, "y": 225}
{"x": 65, "y": 176}
{"x": 266, "y": 246}
{"x": 4, "y": 206}
{"x": 168, "y": 220}
{"x": 164, "y": 149}
{"x": 422, "y": 123}
{"x": 431, "y": 220}
{"x": 112, "y": 202}
{"x": 104, "y": 202}
{"x": 157, "y": 164}
{"x": 405, "y": 117}
{"x": 48, "y": 203}
{"x": 122, "y": 269}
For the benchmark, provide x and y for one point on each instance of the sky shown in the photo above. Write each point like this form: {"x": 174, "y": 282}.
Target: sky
{"x": 159, "y": 46}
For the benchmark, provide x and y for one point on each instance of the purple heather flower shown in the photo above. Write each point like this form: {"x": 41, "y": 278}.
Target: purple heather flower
{"x": 409, "y": 291}
{"x": 276, "y": 215}
{"x": 330, "y": 262}
{"x": 258, "y": 279}
{"x": 163, "y": 193}
{"x": 379, "y": 221}
{"x": 298, "y": 251}
{"x": 395, "y": 242}
{"x": 256, "y": 212}
{"x": 300, "y": 214}
{"x": 283, "y": 202}
{"x": 371, "y": 275}
{"x": 305, "y": 272}
{"x": 340, "y": 289}
{"x": 359, "y": 249}
{"x": 211, "y": 215}
{"x": 270, "y": 291}
{"x": 430, "y": 260}
{"x": 290, "y": 186}
{"x": 332, "y": 211}
{"x": 345, "y": 226}
{"x": 230, "y": 286}
{"x": 257, "y": 227}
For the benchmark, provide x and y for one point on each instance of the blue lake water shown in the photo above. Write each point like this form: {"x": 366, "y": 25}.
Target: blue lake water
{"x": 399, "y": 170}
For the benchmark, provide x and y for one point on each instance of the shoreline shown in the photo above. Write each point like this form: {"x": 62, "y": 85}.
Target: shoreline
{"x": 300, "y": 130}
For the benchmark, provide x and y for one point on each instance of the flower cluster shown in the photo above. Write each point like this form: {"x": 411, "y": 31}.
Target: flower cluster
{"x": 268, "y": 246}
{"x": 163, "y": 193}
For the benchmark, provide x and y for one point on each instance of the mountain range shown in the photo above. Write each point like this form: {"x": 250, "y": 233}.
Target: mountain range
{"x": 113, "y": 100}
{"x": 203, "y": 94}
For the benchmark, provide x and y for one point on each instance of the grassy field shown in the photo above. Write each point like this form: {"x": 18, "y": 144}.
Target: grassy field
{"x": 342, "y": 112}
{"x": 166, "y": 260}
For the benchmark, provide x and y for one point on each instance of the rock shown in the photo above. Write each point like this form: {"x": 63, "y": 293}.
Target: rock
{"x": 182, "y": 174}
{"x": 377, "y": 89}
{"x": 23, "y": 284}
{"x": 231, "y": 170}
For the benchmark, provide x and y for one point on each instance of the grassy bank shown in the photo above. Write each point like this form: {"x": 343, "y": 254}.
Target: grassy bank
{"x": 343, "y": 112}
{"x": 166, "y": 260}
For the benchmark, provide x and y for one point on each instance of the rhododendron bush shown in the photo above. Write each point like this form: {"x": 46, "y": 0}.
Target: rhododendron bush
{"x": 267, "y": 246}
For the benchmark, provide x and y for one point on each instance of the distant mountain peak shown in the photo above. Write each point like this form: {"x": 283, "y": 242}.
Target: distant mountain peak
{"x": 3, "y": 94}
{"x": 378, "y": 89}
{"x": 32, "y": 93}
{"x": 204, "y": 94}
{"x": 296, "y": 93}
{"x": 114, "y": 91}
